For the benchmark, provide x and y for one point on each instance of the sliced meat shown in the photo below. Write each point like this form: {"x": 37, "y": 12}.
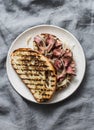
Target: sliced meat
{"x": 50, "y": 40}
{"x": 68, "y": 53}
{"x": 37, "y": 39}
{"x": 41, "y": 49}
{"x": 58, "y": 43}
{"x": 73, "y": 64}
{"x": 66, "y": 60}
{"x": 42, "y": 46}
{"x": 49, "y": 47}
{"x": 58, "y": 64}
{"x": 58, "y": 52}
{"x": 61, "y": 77}
{"x": 70, "y": 70}
{"x": 61, "y": 58}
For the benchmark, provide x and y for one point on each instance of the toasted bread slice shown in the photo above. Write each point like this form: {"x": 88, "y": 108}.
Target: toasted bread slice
{"x": 36, "y": 72}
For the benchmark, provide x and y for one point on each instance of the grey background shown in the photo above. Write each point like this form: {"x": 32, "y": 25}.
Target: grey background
{"x": 76, "y": 112}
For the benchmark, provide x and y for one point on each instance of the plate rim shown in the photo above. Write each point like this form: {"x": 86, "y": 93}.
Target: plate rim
{"x": 62, "y": 29}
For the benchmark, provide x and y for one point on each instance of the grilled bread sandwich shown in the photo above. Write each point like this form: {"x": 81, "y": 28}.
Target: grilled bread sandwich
{"x": 37, "y": 73}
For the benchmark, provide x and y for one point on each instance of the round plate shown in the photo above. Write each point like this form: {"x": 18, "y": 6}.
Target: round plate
{"x": 65, "y": 37}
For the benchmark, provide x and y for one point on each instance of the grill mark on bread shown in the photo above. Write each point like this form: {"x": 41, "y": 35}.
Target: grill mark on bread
{"x": 25, "y": 53}
{"x": 40, "y": 62}
{"x": 39, "y": 84}
{"x": 25, "y": 58}
{"x": 31, "y": 79}
{"x": 31, "y": 65}
{"x": 40, "y": 71}
{"x": 29, "y": 72}
{"x": 29, "y": 68}
{"x": 43, "y": 91}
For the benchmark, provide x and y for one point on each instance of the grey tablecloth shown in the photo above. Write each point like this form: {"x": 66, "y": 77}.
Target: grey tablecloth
{"x": 75, "y": 113}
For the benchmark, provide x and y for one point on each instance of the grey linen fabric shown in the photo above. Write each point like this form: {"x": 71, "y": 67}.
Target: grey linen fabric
{"x": 76, "y": 112}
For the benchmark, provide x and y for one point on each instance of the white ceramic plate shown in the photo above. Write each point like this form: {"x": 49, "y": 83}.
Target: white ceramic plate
{"x": 65, "y": 37}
